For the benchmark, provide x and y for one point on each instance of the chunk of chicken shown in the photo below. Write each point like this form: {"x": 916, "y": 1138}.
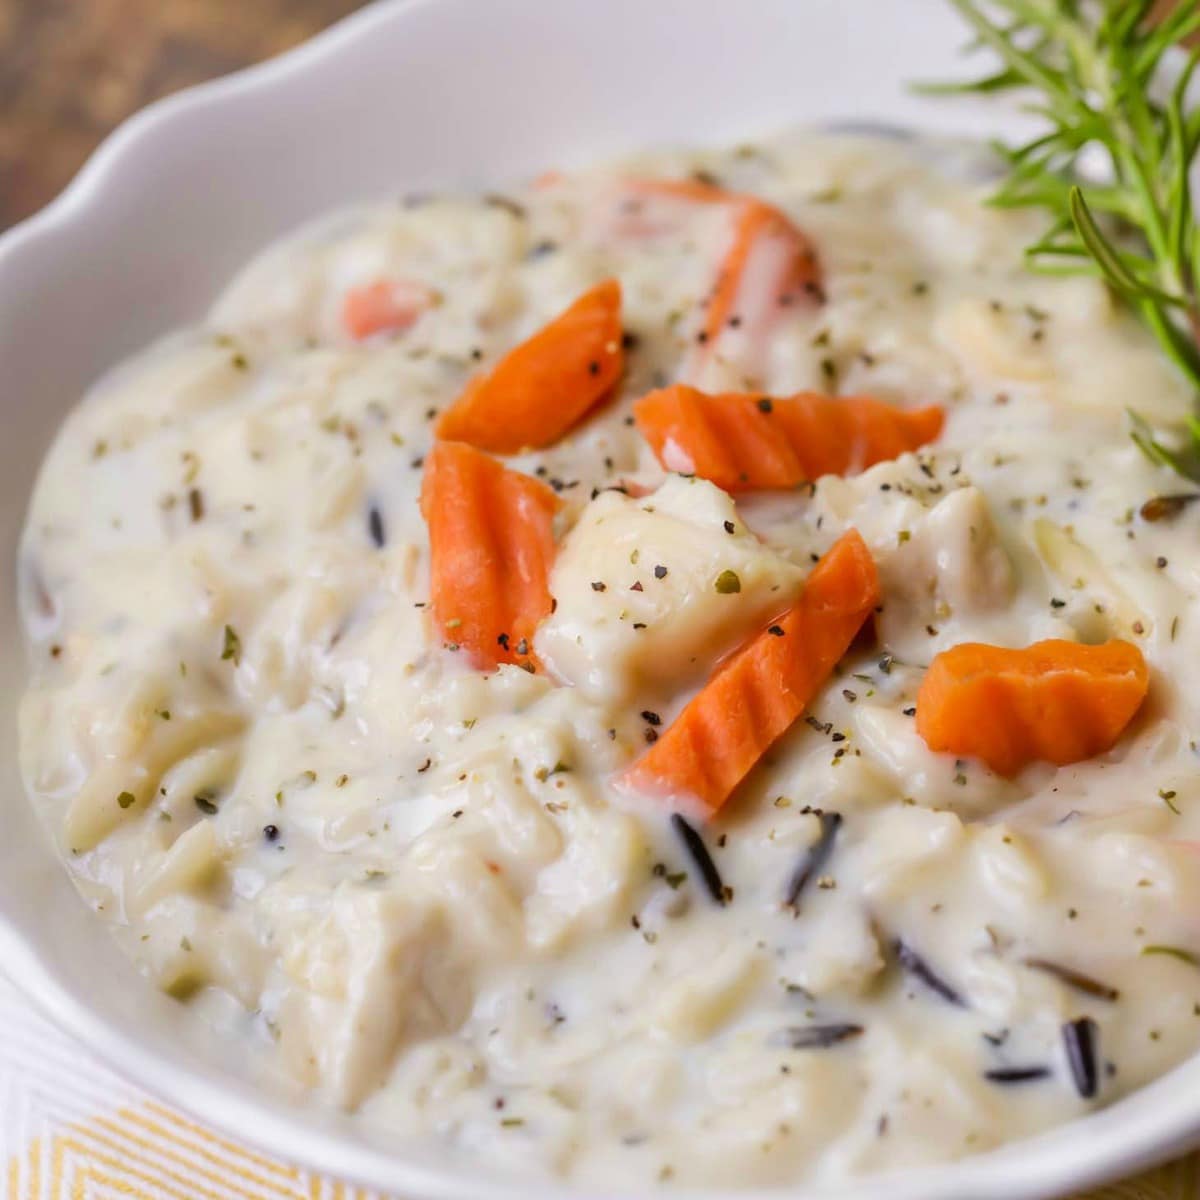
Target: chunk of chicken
{"x": 650, "y": 592}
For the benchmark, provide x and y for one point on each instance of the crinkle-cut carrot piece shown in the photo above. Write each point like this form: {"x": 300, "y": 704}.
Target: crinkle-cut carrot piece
{"x": 769, "y": 265}
{"x": 387, "y": 305}
{"x": 1054, "y": 701}
{"x": 647, "y": 208}
{"x": 753, "y": 443}
{"x": 491, "y": 544}
{"x": 759, "y": 691}
{"x": 694, "y": 190}
{"x": 546, "y": 384}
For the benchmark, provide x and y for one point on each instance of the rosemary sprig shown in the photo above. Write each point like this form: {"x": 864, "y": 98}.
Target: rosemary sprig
{"x": 1095, "y": 71}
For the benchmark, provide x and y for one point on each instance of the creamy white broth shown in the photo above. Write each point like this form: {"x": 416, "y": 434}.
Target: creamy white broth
{"x": 417, "y": 881}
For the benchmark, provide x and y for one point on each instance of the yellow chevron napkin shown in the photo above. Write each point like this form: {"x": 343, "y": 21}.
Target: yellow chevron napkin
{"x": 70, "y": 1129}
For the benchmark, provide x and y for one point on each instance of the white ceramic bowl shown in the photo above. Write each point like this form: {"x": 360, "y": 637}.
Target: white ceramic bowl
{"x": 405, "y": 94}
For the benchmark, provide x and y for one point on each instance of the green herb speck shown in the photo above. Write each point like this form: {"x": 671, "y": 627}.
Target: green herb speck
{"x": 1178, "y": 952}
{"x": 232, "y": 648}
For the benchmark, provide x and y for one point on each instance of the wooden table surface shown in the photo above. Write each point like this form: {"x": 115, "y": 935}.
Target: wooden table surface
{"x": 72, "y": 69}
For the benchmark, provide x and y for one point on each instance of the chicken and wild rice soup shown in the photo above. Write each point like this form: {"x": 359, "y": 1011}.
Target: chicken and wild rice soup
{"x": 663, "y": 674}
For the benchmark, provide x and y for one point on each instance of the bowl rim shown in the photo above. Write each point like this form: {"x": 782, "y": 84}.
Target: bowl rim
{"x": 106, "y": 157}
{"x": 1030, "y": 1168}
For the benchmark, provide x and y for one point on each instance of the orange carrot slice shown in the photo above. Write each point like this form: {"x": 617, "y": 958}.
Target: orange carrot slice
{"x": 650, "y": 208}
{"x": 693, "y": 190}
{"x": 387, "y": 305}
{"x": 544, "y": 386}
{"x": 758, "y": 692}
{"x": 1054, "y": 701}
{"x": 747, "y": 443}
{"x": 769, "y": 264}
{"x": 491, "y": 544}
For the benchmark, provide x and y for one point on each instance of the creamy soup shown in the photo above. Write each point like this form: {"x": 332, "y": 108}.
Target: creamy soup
{"x": 425, "y": 882}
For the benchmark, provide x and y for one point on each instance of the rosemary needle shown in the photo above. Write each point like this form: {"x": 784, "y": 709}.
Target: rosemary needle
{"x": 1097, "y": 73}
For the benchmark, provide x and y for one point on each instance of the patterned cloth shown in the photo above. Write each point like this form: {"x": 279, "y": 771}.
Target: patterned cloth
{"x": 72, "y": 1130}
